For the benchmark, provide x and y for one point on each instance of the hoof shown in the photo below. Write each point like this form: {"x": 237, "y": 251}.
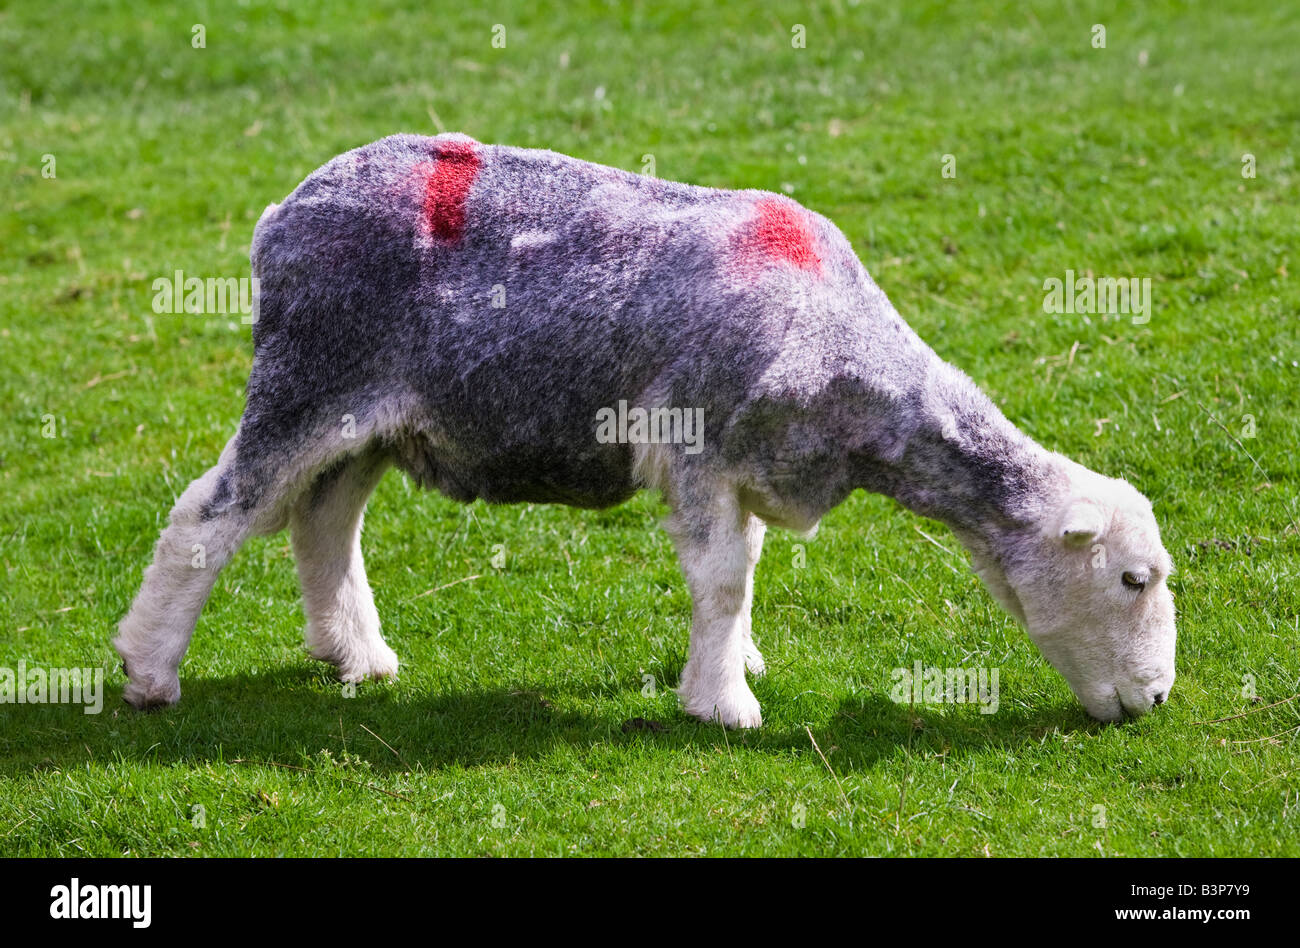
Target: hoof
{"x": 376, "y": 662}
{"x": 735, "y": 708}
{"x": 146, "y": 695}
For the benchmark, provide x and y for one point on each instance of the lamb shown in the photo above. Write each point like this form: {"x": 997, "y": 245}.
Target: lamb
{"x": 470, "y": 313}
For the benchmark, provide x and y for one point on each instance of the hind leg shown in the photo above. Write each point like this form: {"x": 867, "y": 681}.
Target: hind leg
{"x": 205, "y": 529}
{"x": 342, "y": 623}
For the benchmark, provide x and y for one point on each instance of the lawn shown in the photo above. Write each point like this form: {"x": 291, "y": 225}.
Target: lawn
{"x": 529, "y": 635}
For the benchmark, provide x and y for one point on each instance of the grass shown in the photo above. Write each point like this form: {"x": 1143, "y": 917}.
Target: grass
{"x": 504, "y": 734}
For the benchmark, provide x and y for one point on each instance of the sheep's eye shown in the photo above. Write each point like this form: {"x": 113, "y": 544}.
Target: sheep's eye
{"x": 1133, "y": 581}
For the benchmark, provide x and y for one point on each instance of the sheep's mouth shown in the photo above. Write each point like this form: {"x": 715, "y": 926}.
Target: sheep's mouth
{"x": 1110, "y": 710}
{"x": 1134, "y": 713}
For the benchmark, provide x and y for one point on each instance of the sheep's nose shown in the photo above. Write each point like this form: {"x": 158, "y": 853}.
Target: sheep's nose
{"x": 1159, "y": 698}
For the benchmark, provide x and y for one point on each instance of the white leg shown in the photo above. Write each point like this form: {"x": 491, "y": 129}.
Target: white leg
{"x": 155, "y": 634}
{"x": 342, "y": 623}
{"x": 714, "y": 553}
{"x": 754, "y": 530}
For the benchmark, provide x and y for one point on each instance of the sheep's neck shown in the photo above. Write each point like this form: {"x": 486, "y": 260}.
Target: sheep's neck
{"x": 957, "y": 459}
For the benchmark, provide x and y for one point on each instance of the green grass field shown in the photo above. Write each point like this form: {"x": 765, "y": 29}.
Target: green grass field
{"x": 504, "y": 734}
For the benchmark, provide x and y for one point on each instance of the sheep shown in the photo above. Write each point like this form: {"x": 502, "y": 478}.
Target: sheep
{"x": 472, "y": 314}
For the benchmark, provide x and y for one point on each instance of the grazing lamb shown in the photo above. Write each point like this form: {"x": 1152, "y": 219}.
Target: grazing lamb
{"x": 474, "y": 314}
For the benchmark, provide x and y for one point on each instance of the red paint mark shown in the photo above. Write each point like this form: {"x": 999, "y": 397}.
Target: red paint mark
{"x": 447, "y": 181}
{"x": 782, "y": 231}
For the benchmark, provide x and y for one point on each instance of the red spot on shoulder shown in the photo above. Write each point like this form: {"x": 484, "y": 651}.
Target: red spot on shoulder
{"x": 782, "y": 231}
{"x": 447, "y": 180}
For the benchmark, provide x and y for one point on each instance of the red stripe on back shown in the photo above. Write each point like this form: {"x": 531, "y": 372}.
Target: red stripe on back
{"x": 783, "y": 232}
{"x": 446, "y": 187}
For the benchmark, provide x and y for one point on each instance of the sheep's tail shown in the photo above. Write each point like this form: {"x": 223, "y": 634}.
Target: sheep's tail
{"x": 254, "y": 256}
{"x": 259, "y": 230}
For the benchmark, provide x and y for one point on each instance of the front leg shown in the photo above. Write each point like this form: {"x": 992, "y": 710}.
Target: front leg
{"x": 713, "y": 545}
{"x": 754, "y": 530}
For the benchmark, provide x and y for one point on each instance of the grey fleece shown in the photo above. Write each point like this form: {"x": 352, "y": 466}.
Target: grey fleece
{"x": 379, "y": 275}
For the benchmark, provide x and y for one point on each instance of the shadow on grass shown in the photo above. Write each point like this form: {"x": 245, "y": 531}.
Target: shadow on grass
{"x": 285, "y": 716}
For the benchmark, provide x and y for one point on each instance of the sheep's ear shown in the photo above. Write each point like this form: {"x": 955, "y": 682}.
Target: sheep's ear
{"x": 1082, "y": 524}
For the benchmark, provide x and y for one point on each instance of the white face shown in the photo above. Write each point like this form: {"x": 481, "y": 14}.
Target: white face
{"x": 1092, "y": 595}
